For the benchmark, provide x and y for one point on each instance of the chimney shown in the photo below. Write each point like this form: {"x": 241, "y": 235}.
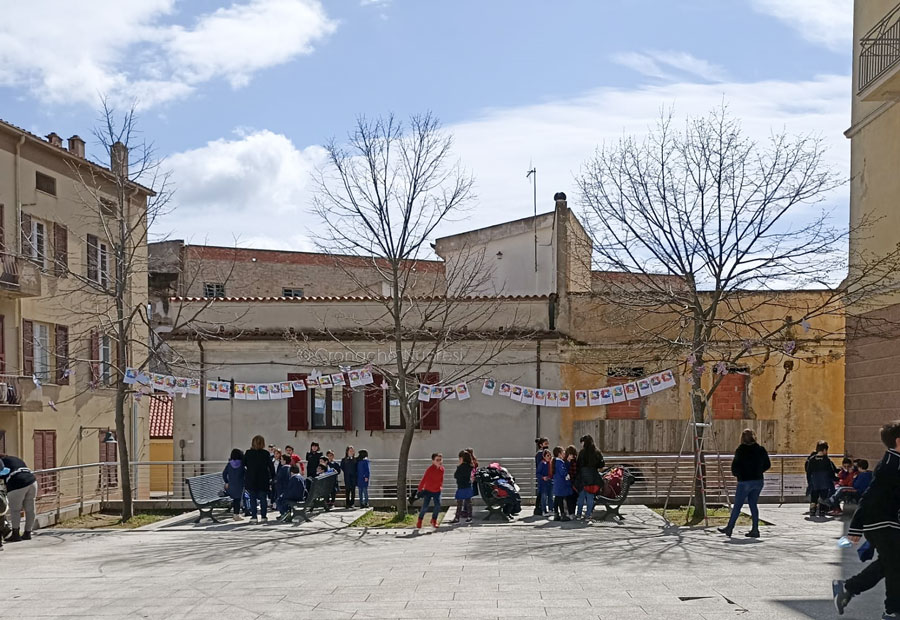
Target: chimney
{"x": 76, "y": 146}
{"x": 119, "y": 160}
{"x": 560, "y": 198}
{"x": 54, "y": 139}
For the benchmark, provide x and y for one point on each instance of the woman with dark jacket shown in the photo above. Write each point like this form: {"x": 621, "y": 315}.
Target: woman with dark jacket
{"x": 750, "y": 462}
{"x": 348, "y": 466}
{"x": 233, "y": 475}
{"x": 259, "y": 475}
{"x": 589, "y": 461}
{"x": 821, "y": 474}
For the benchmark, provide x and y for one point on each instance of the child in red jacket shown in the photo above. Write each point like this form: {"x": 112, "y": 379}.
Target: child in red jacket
{"x": 430, "y": 489}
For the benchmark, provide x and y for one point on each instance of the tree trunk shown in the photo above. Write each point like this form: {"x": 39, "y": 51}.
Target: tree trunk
{"x": 122, "y": 445}
{"x": 699, "y": 471}
{"x": 403, "y": 464}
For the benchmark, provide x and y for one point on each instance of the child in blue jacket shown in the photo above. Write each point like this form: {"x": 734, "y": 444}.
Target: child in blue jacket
{"x": 233, "y": 475}
{"x": 562, "y": 486}
{"x": 362, "y": 477}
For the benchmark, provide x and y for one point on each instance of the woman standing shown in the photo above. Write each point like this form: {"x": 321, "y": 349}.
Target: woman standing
{"x": 750, "y": 462}
{"x": 259, "y": 475}
{"x": 590, "y": 460}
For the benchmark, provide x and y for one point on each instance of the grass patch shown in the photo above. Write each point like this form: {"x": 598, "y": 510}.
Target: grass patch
{"x": 390, "y": 519}
{"x": 113, "y": 521}
{"x": 718, "y": 516}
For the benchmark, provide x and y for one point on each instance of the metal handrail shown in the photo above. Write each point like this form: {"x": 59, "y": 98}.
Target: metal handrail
{"x": 879, "y": 49}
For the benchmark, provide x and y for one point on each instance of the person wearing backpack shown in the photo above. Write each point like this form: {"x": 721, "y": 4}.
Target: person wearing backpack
{"x": 750, "y": 462}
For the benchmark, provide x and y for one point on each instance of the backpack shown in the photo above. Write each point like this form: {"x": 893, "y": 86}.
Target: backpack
{"x": 612, "y": 482}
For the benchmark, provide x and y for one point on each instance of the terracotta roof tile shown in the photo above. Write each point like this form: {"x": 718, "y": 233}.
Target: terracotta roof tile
{"x": 161, "y": 416}
{"x": 352, "y": 298}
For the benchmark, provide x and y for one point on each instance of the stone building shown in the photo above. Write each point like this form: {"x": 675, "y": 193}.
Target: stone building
{"x": 56, "y": 267}
{"x": 541, "y": 284}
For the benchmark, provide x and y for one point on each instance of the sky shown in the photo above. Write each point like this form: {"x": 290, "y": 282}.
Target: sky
{"x": 237, "y": 96}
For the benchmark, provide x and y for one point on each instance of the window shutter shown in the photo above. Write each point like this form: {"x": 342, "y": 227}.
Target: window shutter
{"x": 39, "y": 449}
{"x": 374, "y": 397}
{"x": 92, "y": 264}
{"x": 27, "y": 348}
{"x": 62, "y": 354}
{"x": 26, "y": 249}
{"x": 2, "y": 234}
{"x": 2, "y": 348}
{"x": 430, "y": 412}
{"x": 95, "y": 355}
{"x": 49, "y": 449}
{"x": 60, "y": 250}
{"x": 348, "y": 407}
{"x": 298, "y": 407}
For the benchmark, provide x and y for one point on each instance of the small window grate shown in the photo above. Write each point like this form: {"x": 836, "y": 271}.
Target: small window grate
{"x": 213, "y": 290}
{"x": 292, "y": 292}
{"x": 45, "y": 183}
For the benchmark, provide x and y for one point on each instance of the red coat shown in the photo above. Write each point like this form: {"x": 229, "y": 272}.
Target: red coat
{"x": 433, "y": 480}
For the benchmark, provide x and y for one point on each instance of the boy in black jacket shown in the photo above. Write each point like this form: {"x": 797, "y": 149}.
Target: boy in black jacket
{"x": 878, "y": 519}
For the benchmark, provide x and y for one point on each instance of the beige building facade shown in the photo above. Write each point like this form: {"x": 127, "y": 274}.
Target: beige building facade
{"x": 56, "y": 360}
{"x": 873, "y": 345}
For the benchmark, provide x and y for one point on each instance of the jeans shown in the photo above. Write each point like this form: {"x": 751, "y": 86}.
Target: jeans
{"x": 747, "y": 492}
{"x": 261, "y": 496}
{"x": 434, "y": 498}
{"x": 840, "y": 495}
{"x": 364, "y": 495}
{"x": 587, "y": 500}
{"x": 350, "y": 494}
{"x": 886, "y": 565}
{"x": 546, "y": 500}
{"x": 22, "y": 499}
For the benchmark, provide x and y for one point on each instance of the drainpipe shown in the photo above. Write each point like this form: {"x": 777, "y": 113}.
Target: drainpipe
{"x": 202, "y": 397}
{"x": 17, "y": 233}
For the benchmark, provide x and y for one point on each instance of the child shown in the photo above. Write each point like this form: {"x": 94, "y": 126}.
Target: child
{"x": 463, "y": 476}
{"x": 430, "y": 489}
{"x": 845, "y": 477}
{"x": 295, "y": 491}
{"x": 348, "y": 466}
{"x": 545, "y": 484}
{"x": 362, "y": 477}
{"x": 233, "y": 475}
{"x": 313, "y": 458}
{"x": 562, "y": 488}
{"x": 820, "y": 474}
{"x": 333, "y": 466}
{"x": 282, "y": 476}
{"x": 572, "y": 462}
{"x": 878, "y": 518}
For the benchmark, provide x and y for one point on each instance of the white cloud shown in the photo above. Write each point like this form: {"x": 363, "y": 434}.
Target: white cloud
{"x": 73, "y": 51}
{"x": 253, "y": 190}
{"x": 258, "y": 183}
{"x": 659, "y": 64}
{"x": 826, "y": 22}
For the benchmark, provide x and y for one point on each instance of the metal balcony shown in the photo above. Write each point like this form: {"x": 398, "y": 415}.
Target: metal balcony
{"x": 19, "y": 277}
{"x": 879, "y": 59}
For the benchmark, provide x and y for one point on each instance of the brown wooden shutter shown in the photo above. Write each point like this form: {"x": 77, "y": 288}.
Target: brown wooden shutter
{"x": 92, "y": 265}
{"x": 95, "y": 355}
{"x": 2, "y": 231}
{"x": 347, "y": 392}
{"x": 374, "y": 397}
{"x": 62, "y": 354}
{"x": 2, "y": 347}
{"x": 27, "y": 348}
{"x": 430, "y": 412}
{"x": 26, "y": 249}
{"x": 60, "y": 250}
{"x": 298, "y": 406}
{"x": 109, "y": 454}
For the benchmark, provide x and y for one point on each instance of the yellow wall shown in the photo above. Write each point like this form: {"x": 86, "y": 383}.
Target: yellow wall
{"x": 161, "y": 475}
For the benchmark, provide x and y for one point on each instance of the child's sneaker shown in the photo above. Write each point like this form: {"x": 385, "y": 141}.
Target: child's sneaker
{"x": 841, "y": 596}
{"x": 237, "y": 518}
{"x": 434, "y": 523}
{"x": 468, "y": 519}
{"x": 419, "y": 524}
{"x": 253, "y": 521}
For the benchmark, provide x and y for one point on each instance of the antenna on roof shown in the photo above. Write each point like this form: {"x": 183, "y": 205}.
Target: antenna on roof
{"x": 531, "y": 172}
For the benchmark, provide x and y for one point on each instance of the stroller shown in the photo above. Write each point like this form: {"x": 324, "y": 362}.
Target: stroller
{"x": 499, "y": 490}
{"x": 5, "y": 527}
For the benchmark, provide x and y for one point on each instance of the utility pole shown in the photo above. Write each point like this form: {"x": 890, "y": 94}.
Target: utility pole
{"x": 531, "y": 172}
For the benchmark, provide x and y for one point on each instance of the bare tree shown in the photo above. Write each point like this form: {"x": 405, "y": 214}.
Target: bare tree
{"x": 381, "y": 197}
{"x": 717, "y": 231}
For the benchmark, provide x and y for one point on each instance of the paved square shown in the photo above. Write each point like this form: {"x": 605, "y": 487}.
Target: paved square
{"x": 494, "y": 570}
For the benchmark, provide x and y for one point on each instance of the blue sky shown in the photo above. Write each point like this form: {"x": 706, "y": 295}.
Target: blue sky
{"x": 237, "y": 95}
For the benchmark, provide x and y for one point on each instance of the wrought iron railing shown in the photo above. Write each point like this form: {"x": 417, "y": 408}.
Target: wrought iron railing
{"x": 879, "y": 49}
{"x": 9, "y": 270}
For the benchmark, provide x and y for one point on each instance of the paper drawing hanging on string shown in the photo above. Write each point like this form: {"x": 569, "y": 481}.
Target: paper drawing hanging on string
{"x": 169, "y": 384}
{"x": 505, "y": 389}
{"x": 552, "y": 398}
{"x": 224, "y": 390}
{"x": 437, "y": 392}
{"x": 240, "y": 391}
{"x": 594, "y": 398}
{"x": 355, "y": 378}
{"x": 130, "y": 376}
{"x": 644, "y": 387}
{"x": 312, "y": 381}
{"x": 527, "y": 396}
{"x": 212, "y": 388}
{"x": 250, "y": 391}
{"x": 606, "y": 396}
{"x": 262, "y": 391}
{"x": 365, "y": 375}
{"x": 516, "y": 393}
{"x": 449, "y": 392}
{"x": 181, "y": 384}
{"x": 462, "y": 391}
{"x": 564, "y": 400}
{"x": 489, "y": 386}
{"x": 298, "y": 385}
{"x": 581, "y": 398}
{"x": 325, "y": 381}
{"x": 656, "y": 383}
{"x": 424, "y": 393}
{"x": 667, "y": 378}
{"x": 631, "y": 390}
{"x": 618, "y": 393}
{"x": 337, "y": 379}
{"x": 540, "y": 397}
{"x": 287, "y": 389}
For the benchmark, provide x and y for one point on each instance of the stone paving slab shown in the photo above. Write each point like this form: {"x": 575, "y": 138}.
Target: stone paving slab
{"x": 527, "y": 569}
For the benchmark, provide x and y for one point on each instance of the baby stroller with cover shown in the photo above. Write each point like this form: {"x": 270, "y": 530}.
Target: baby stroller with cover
{"x": 499, "y": 490}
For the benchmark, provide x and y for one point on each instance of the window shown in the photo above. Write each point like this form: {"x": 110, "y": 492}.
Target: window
{"x": 729, "y": 401}
{"x": 213, "y": 290}
{"x": 105, "y": 360}
{"x": 394, "y": 416}
{"x": 45, "y": 183}
{"x": 41, "y": 343}
{"x": 630, "y": 373}
{"x": 97, "y": 261}
{"x": 108, "y": 207}
{"x": 328, "y": 408}
{"x": 292, "y": 292}
{"x": 37, "y": 243}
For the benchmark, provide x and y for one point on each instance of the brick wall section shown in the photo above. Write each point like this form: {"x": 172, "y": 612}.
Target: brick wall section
{"x": 872, "y": 381}
{"x": 729, "y": 401}
{"x": 626, "y": 410}
{"x": 272, "y": 271}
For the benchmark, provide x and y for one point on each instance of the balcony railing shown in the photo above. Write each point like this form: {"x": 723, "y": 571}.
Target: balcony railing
{"x": 879, "y": 49}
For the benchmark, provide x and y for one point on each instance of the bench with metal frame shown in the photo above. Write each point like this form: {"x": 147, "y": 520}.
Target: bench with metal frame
{"x": 612, "y": 505}
{"x": 319, "y": 493}
{"x": 206, "y": 493}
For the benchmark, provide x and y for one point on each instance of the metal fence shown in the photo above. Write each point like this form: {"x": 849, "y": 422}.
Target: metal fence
{"x": 657, "y": 476}
{"x": 879, "y": 49}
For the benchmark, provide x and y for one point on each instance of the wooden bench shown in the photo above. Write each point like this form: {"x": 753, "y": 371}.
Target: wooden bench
{"x": 320, "y": 489}
{"x": 613, "y": 504}
{"x": 206, "y": 493}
